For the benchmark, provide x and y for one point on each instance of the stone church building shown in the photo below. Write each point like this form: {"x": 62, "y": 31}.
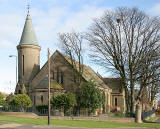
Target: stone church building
{"x": 35, "y": 80}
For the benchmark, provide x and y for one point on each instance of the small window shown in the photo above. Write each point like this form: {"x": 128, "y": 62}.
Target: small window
{"x": 42, "y": 98}
{"x": 34, "y": 100}
{"x": 19, "y": 92}
{"x": 62, "y": 76}
{"x": 74, "y": 78}
{"x": 116, "y": 102}
{"x": 23, "y": 64}
{"x": 38, "y": 60}
{"x": 57, "y": 75}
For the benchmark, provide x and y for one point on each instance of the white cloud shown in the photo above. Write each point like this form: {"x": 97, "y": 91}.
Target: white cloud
{"x": 81, "y": 20}
{"x": 58, "y": 20}
{"x": 61, "y": 19}
{"x": 47, "y": 24}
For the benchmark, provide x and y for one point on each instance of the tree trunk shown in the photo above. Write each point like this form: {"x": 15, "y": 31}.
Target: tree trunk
{"x": 132, "y": 98}
{"x": 127, "y": 100}
{"x": 138, "y": 113}
{"x": 124, "y": 87}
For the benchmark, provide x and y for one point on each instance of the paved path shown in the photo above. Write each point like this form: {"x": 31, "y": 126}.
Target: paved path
{"x": 19, "y": 126}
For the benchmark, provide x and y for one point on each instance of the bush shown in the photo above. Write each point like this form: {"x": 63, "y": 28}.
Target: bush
{"x": 41, "y": 107}
{"x": 23, "y": 101}
{"x": 129, "y": 114}
{"x": 2, "y": 101}
{"x": 64, "y": 101}
{"x": 119, "y": 114}
{"x": 10, "y": 101}
{"x": 90, "y": 97}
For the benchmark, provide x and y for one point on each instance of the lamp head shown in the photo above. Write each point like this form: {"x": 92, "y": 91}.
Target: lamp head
{"x": 12, "y": 56}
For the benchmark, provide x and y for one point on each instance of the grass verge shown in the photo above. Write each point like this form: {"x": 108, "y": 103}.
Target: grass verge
{"x": 75, "y": 123}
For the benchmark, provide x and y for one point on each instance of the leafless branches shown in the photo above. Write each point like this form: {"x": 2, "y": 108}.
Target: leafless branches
{"x": 72, "y": 46}
{"x": 127, "y": 42}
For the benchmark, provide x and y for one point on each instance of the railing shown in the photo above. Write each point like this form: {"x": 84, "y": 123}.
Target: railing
{"x": 147, "y": 114}
{"x": 44, "y": 112}
{"x": 15, "y": 109}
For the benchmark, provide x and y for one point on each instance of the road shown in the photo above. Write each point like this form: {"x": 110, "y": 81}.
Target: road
{"x": 19, "y": 126}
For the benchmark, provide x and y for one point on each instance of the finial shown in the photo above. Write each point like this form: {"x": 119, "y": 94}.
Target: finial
{"x": 28, "y": 7}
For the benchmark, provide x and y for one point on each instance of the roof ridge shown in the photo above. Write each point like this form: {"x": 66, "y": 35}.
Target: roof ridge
{"x": 88, "y": 70}
{"x": 85, "y": 66}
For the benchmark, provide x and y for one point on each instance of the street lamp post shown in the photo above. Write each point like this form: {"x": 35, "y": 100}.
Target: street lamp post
{"x": 16, "y": 65}
{"x": 49, "y": 87}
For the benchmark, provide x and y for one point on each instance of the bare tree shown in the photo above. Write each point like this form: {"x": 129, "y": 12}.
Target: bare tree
{"x": 120, "y": 40}
{"x": 148, "y": 76}
{"x": 72, "y": 46}
{"x": 153, "y": 79}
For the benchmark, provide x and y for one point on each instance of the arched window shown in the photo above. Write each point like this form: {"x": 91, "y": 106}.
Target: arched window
{"x": 42, "y": 98}
{"x": 116, "y": 102}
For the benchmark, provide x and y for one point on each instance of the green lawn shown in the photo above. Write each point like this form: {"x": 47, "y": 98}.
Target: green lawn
{"x": 75, "y": 123}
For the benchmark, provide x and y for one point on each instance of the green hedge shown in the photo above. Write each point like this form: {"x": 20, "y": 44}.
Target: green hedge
{"x": 41, "y": 107}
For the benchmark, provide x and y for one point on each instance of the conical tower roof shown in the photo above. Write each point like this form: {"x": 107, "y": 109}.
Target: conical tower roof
{"x": 28, "y": 35}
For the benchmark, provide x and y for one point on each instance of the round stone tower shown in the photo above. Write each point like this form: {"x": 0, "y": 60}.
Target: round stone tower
{"x": 28, "y": 56}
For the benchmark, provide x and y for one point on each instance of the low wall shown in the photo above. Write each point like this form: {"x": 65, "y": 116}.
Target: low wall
{"x": 20, "y": 114}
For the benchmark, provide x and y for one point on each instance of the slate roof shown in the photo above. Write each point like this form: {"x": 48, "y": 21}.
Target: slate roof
{"x": 89, "y": 73}
{"x": 28, "y": 35}
{"x": 114, "y": 83}
{"x": 53, "y": 84}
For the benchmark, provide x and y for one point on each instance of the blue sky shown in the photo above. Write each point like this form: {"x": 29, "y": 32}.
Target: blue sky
{"x": 50, "y": 17}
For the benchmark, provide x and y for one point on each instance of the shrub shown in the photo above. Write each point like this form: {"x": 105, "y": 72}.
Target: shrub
{"x": 129, "y": 114}
{"x": 90, "y": 96}
{"x": 10, "y": 101}
{"x": 42, "y": 107}
{"x": 119, "y": 114}
{"x": 2, "y": 101}
{"x": 23, "y": 101}
{"x": 64, "y": 101}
